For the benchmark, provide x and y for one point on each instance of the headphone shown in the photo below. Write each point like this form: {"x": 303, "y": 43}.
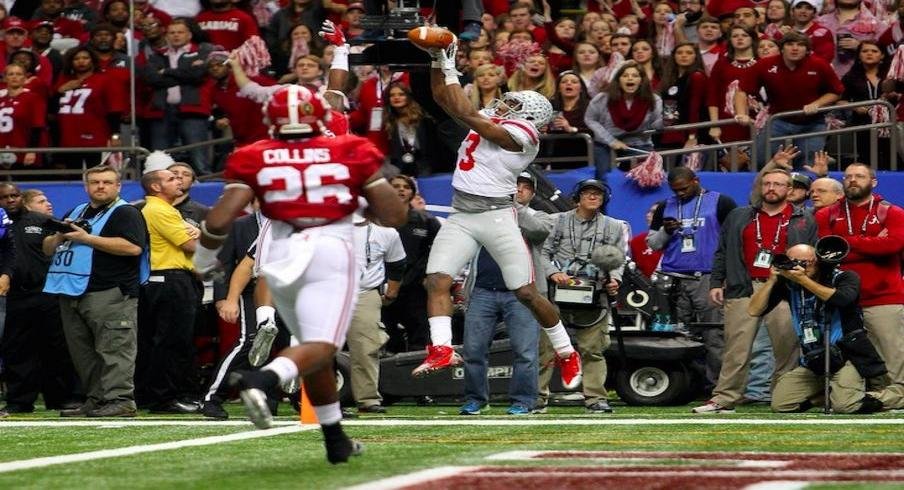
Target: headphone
{"x": 607, "y": 192}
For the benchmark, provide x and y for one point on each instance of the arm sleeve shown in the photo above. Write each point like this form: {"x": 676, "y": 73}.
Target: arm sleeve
{"x": 533, "y": 229}
{"x": 127, "y": 222}
{"x": 893, "y": 243}
{"x": 549, "y": 249}
{"x": 257, "y": 92}
{"x": 847, "y": 290}
{"x": 395, "y": 270}
{"x": 395, "y": 251}
{"x": 778, "y": 294}
{"x": 522, "y": 132}
{"x": 713, "y": 86}
{"x": 171, "y": 227}
{"x": 594, "y": 117}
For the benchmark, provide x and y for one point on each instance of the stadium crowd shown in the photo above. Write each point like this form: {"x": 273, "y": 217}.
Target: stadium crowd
{"x": 612, "y": 71}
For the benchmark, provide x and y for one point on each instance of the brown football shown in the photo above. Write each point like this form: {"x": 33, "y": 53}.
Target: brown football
{"x": 431, "y": 37}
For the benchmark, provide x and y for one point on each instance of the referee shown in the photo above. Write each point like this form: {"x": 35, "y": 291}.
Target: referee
{"x": 168, "y": 302}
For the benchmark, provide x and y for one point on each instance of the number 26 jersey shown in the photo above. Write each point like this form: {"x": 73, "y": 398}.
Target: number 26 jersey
{"x": 306, "y": 182}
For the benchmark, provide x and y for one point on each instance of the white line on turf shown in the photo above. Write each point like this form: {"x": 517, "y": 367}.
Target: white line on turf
{"x": 132, "y": 450}
{"x": 414, "y": 478}
{"x": 777, "y": 485}
{"x": 389, "y": 422}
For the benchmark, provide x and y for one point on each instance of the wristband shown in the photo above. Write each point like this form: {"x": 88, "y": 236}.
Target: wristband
{"x": 340, "y": 58}
{"x": 210, "y": 235}
{"x": 452, "y": 79}
{"x": 264, "y": 314}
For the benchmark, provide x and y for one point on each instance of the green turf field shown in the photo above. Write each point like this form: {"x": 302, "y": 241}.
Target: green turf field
{"x": 408, "y": 439}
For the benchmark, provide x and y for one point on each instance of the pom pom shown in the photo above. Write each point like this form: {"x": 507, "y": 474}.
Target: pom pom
{"x": 253, "y": 55}
{"x": 515, "y": 53}
{"x": 649, "y": 174}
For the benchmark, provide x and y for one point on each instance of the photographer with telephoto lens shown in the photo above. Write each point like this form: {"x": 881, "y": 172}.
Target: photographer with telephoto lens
{"x": 823, "y": 301}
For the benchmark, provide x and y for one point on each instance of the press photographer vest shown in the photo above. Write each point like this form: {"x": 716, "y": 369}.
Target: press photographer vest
{"x": 703, "y": 224}
{"x": 70, "y": 268}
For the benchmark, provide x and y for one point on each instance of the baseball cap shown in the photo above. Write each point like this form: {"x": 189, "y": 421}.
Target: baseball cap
{"x": 157, "y": 160}
{"x": 591, "y": 184}
{"x": 817, "y": 4}
{"x": 355, "y": 6}
{"x": 800, "y": 180}
{"x": 43, "y": 23}
{"x": 16, "y": 24}
{"x": 527, "y": 177}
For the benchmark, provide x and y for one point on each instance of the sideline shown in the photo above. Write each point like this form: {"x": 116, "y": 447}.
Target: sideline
{"x": 26, "y": 464}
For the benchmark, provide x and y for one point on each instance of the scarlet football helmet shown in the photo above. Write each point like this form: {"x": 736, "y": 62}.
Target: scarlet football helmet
{"x": 295, "y": 110}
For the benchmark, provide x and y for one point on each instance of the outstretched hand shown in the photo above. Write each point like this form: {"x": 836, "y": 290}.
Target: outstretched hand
{"x": 331, "y": 33}
{"x": 784, "y": 156}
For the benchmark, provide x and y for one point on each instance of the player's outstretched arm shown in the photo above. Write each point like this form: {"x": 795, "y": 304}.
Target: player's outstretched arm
{"x": 383, "y": 202}
{"x": 338, "y": 74}
{"x": 219, "y": 220}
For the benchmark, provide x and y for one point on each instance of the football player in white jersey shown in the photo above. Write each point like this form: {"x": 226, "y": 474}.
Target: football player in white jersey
{"x": 503, "y": 141}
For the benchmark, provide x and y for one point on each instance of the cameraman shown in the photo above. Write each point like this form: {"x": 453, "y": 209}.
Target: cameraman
{"x": 566, "y": 257}
{"x": 821, "y": 299}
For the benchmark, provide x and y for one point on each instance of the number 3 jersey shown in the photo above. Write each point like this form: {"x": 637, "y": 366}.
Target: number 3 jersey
{"x": 485, "y": 169}
{"x": 307, "y": 182}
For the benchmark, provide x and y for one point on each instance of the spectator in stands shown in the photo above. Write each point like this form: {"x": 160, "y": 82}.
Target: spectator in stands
{"x": 688, "y": 234}
{"x": 825, "y": 191}
{"x": 25, "y": 115}
{"x": 488, "y": 84}
{"x": 51, "y": 11}
{"x": 574, "y": 236}
{"x": 874, "y": 230}
{"x": 406, "y": 317}
{"x": 144, "y": 10}
{"x": 562, "y": 36}
{"x": 823, "y": 302}
{"x": 709, "y": 35}
{"x": 750, "y": 239}
{"x": 41, "y": 37}
{"x": 778, "y": 19}
{"x": 520, "y": 13}
{"x": 367, "y": 119}
{"x": 822, "y": 42}
{"x": 230, "y": 110}
{"x": 352, "y": 20}
{"x": 616, "y": 116}
{"x": 861, "y": 83}
{"x": 726, "y": 74}
{"x": 894, "y": 33}
{"x": 587, "y": 60}
{"x": 570, "y": 100}
{"x": 745, "y": 15}
{"x": 381, "y": 259}
{"x": 767, "y": 47}
{"x": 687, "y": 20}
{"x": 535, "y": 74}
{"x": 168, "y": 302}
{"x": 181, "y": 93}
{"x": 851, "y": 23}
{"x": 36, "y": 360}
{"x": 644, "y": 54}
{"x": 411, "y": 133}
{"x": 300, "y": 42}
{"x": 97, "y": 277}
{"x": 621, "y": 43}
{"x": 661, "y": 32}
{"x": 116, "y": 13}
{"x": 226, "y": 25}
{"x": 14, "y": 38}
{"x": 683, "y": 93}
{"x": 179, "y": 8}
{"x": 796, "y": 80}
{"x": 646, "y": 258}
{"x": 101, "y": 42}
{"x": 488, "y": 301}
{"x": 90, "y": 106}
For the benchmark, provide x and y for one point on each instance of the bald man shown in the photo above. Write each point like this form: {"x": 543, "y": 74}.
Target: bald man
{"x": 824, "y": 192}
{"x": 822, "y": 298}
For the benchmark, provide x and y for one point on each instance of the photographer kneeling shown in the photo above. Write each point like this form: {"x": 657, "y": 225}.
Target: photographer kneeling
{"x": 822, "y": 298}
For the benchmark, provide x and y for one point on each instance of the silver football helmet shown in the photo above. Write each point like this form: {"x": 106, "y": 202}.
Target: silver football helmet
{"x": 526, "y": 105}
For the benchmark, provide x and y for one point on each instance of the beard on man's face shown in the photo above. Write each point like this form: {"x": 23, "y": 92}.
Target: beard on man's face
{"x": 854, "y": 192}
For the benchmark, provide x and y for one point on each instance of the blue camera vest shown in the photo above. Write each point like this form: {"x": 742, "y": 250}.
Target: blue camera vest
{"x": 700, "y": 220}
{"x": 70, "y": 269}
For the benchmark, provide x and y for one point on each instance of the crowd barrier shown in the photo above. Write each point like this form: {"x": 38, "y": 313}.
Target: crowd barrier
{"x": 629, "y": 202}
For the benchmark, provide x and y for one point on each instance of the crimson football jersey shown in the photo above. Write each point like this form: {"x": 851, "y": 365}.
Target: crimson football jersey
{"x": 19, "y": 115}
{"x": 228, "y": 29}
{"x": 83, "y": 111}
{"x": 306, "y": 182}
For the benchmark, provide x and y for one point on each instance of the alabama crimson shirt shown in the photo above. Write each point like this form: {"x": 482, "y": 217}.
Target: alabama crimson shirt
{"x": 83, "y": 111}
{"x": 229, "y": 29}
{"x": 791, "y": 90}
{"x": 19, "y": 115}
{"x": 306, "y": 182}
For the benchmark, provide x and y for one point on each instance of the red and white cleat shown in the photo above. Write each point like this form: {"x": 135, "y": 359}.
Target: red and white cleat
{"x": 570, "y": 369}
{"x": 438, "y": 357}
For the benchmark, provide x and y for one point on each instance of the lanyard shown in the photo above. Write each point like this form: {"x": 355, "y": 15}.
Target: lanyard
{"x": 577, "y": 245}
{"x": 367, "y": 244}
{"x": 847, "y": 217}
{"x": 759, "y": 234}
{"x": 696, "y": 212}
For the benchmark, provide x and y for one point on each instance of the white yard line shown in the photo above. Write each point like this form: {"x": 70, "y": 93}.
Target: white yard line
{"x": 778, "y": 485}
{"x": 469, "y": 421}
{"x": 132, "y": 450}
{"x": 414, "y": 478}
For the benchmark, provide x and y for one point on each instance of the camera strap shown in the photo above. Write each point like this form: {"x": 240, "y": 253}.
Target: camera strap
{"x": 696, "y": 212}
{"x": 759, "y": 232}
{"x": 847, "y": 216}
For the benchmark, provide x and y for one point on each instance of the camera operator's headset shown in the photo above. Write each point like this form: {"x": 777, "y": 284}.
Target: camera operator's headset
{"x": 595, "y": 183}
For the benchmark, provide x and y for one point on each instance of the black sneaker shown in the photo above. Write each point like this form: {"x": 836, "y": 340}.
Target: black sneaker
{"x": 601, "y": 406}
{"x": 376, "y": 408}
{"x": 253, "y": 386}
{"x": 339, "y": 448}
{"x": 214, "y": 410}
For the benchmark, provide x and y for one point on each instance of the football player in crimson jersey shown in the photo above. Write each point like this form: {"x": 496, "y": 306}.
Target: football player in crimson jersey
{"x": 308, "y": 184}
{"x": 22, "y": 115}
{"x": 503, "y": 141}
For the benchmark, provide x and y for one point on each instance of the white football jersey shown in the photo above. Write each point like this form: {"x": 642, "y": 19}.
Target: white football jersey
{"x": 485, "y": 169}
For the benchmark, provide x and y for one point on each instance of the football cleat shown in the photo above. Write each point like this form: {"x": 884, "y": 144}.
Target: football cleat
{"x": 439, "y": 357}
{"x": 570, "y": 370}
{"x": 263, "y": 342}
{"x": 252, "y": 387}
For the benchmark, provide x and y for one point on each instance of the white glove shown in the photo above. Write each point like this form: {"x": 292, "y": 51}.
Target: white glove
{"x": 445, "y": 60}
{"x": 205, "y": 261}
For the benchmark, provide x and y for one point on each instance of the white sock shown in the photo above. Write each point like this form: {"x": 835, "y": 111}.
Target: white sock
{"x": 328, "y": 414}
{"x": 284, "y": 367}
{"x": 440, "y": 330}
{"x": 558, "y": 337}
